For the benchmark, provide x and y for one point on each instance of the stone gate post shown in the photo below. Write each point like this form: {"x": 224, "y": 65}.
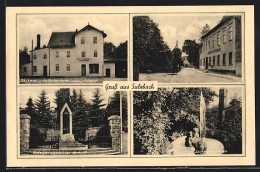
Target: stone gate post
{"x": 115, "y": 132}
{"x": 24, "y": 132}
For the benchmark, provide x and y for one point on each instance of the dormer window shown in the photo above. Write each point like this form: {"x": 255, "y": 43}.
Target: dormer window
{"x": 95, "y": 40}
{"x": 82, "y": 40}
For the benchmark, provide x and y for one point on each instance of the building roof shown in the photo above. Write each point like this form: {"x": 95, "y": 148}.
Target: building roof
{"x": 223, "y": 21}
{"x": 62, "y": 39}
{"x": 67, "y": 39}
{"x": 88, "y": 27}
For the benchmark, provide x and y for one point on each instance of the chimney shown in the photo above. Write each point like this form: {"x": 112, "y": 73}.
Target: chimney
{"x": 38, "y": 41}
{"x": 76, "y": 30}
{"x": 223, "y": 103}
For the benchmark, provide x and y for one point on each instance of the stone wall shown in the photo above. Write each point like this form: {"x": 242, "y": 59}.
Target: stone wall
{"x": 24, "y": 132}
{"x": 115, "y": 132}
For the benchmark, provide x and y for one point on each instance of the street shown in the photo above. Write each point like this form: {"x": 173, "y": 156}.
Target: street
{"x": 189, "y": 75}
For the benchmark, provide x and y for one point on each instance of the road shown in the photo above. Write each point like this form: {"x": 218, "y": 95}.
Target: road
{"x": 214, "y": 147}
{"x": 189, "y": 75}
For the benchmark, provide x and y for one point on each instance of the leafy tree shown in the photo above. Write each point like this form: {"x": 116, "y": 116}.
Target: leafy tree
{"x": 121, "y": 51}
{"x": 113, "y": 108}
{"x": 150, "y": 51}
{"x": 150, "y": 123}
{"x": 109, "y": 49}
{"x": 165, "y": 111}
{"x": 191, "y": 48}
{"x": 230, "y": 132}
{"x": 24, "y": 56}
{"x": 42, "y": 111}
{"x": 176, "y": 61}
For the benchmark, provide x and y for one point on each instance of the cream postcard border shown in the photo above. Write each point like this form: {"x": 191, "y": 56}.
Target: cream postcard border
{"x": 249, "y": 101}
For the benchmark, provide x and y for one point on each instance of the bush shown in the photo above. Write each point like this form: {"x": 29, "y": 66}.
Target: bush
{"x": 36, "y": 138}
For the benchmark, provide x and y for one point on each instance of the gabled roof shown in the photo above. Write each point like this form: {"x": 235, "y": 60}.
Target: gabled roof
{"x": 62, "y": 39}
{"x": 88, "y": 27}
{"x": 222, "y": 22}
{"x": 67, "y": 39}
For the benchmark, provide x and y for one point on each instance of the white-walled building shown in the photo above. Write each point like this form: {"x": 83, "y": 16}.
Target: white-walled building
{"x": 221, "y": 47}
{"x": 70, "y": 54}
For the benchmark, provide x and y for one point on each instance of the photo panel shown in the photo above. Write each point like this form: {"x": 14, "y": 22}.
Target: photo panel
{"x": 72, "y": 122}
{"x": 188, "y": 47}
{"x": 72, "y": 48}
{"x": 189, "y": 122}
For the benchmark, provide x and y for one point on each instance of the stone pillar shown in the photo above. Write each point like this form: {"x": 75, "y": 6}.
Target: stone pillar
{"x": 24, "y": 132}
{"x": 115, "y": 132}
{"x": 70, "y": 123}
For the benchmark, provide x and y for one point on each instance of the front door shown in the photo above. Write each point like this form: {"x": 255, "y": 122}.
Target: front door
{"x": 83, "y": 70}
{"x": 207, "y": 63}
{"x": 107, "y": 72}
{"x": 45, "y": 71}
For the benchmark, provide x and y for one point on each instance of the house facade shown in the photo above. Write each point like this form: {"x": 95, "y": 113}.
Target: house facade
{"x": 70, "y": 54}
{"x": 221, "y": 47}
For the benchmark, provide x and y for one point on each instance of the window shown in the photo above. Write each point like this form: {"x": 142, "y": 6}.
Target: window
{"x": 83, "y": 54}
{"x": 206, "y": 44}
{"x": 45, "y": 56}
{"x": 218, "y": 60}
{"x": 209, "y": 60}
{"x": 82, "y": 40}
{"x": 224, "y": 36}
{"x": 68, "y": 67}
{"x": 95, "y": 40}
{"x": 34, "y": 68}
{"x": 230, "y": 33}
{"x": 224, "y": 59}
{"x": 57, "y": 68}
{"x": 25, "y": 69}
{"x": 204, "y": 62}
{"x": 218, "y": 39}
{"x": 34, "y": 56}
{"x": 93, "y": 68}
{"x": 213, "y": 60}
{"x": 214, "y": 41}
{"x": 57, "y": 54}
{"x": 68, "y": 54}
{"x": 209, "y": 43}
{"x": 95, "y": 53}
{"x": 230, "y": 58}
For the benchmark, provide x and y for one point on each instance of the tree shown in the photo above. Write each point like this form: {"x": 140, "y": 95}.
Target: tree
{"x": 121, "y": 51}
{"x": 164, "y": 112}
{"x": 62, "y": 96}
{"x": 191, "y": 48}
{"x": 30, "y": 110}
{"x": 150, "y": 51}
{"x": 42, "y": 111}
{"x": 150, "y": 123}
{"x": 80, "y": 117}
{"x": 176, "y": 60}
{"x": 97, "y": 114}
{"x": 24, "y": 57}
{"x": 205, "y": 30}
{"x": 109, "y": 49}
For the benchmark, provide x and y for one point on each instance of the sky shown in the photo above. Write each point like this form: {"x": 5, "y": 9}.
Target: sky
{"x": 183, "y": 26}
{"x": 116, "y": 26}
{"x": 34, "y": 93}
